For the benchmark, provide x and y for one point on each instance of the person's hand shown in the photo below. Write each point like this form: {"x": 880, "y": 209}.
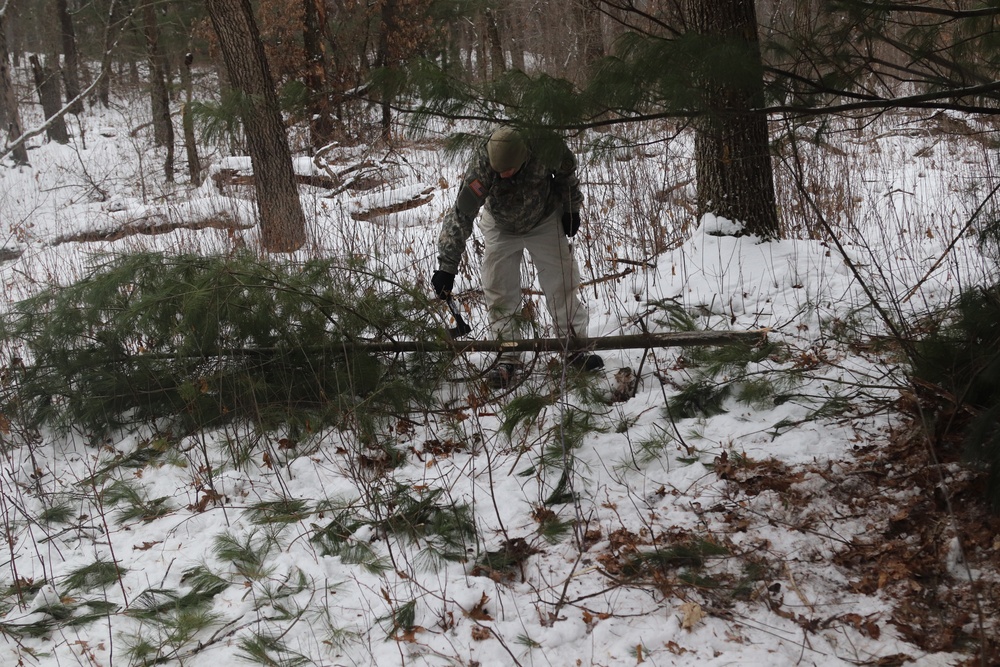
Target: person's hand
{"x": 443, "y": 283}
{"x": 571, "y": 222}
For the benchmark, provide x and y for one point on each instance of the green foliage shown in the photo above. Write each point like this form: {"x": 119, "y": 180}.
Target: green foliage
{"x": 134, "y": 503}
{"x": 172, "y": 620}
{"x": 523, "y": 409}
{"x": 700, "y": 398}
{"x": 962, "y": 357}
{"x": 423, "y": 516}
{"x": 98, "y": 574}
{"x": 198, "y": 342}
{"x": 220, "y": 122}
{"x": 59, "y": 513}
{"x": 247, "y": 556}
{"x": 269, "y": 651}
{"x": 444, "y": 528}
{"x": 731, "y": 359}
{"x": 551, "y": 528}
{"x": 654, "y": 445}
{"x": 401, "y": 619}
{"x": 285, "y": 510}
{"x": 673, "y": 316}
{"x": 691, "y": 554}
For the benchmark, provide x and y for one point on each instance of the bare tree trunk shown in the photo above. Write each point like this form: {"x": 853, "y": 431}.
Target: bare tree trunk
{"x": 163, "y": 128}
{"x": 187, "y": 122}
{"x": 732, "y": 152}
{"x": 383, "y": 59}
{"x": 104, "y": 87}
{"x": 71, "y": 58}
{"x": 514, "y": 24}
{"x": 163, "y": 131}
{"x": 50, "y": 96}
{"x": 10, "y": 114}
{"x": 498, "y": 64}
{"x": 477, "y": 49}
{"x": 281, "y": 219}
{"x": 591, "y": 36}
{"x": 321, "y": 126}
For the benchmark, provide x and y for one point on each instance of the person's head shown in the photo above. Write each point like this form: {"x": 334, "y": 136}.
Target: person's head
{"x": 507, "y": 151}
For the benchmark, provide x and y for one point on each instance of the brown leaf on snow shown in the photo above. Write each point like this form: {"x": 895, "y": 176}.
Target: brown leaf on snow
{"x": 863, "y": 624}
{"x": 478, "y": 611}
{"x": 675, "y": 648}
{"x": 590, "y": 619}
{"x": 691, "y": 615}
{"x": 146, "y": 546}
{"x": 410, "y": 636}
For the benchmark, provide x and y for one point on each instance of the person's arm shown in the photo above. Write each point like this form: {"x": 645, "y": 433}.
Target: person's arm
{"x": 457, "y": 226}
{"x": 567, "y": 187}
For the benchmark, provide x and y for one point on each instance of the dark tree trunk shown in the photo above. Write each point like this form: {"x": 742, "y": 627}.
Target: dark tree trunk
{"x": 591, "y": 36}
{"x": 10, "y": 114}
{"x": 478, "y": 48}
{"x": 50, "y": 96}
{"x": 321, "y": 125}
{"x": 190, "y": 143}
{"x": 732, "y": 152}
{"x": 163, "y": 129}
{"x": 104, "y": 86}
{"x": 384, "y": 59}
{"x": 71, "y": 59}
{"x": 281, "y": 219}
{"x": 497, "y": 61}
{"x": 514, "y": 25}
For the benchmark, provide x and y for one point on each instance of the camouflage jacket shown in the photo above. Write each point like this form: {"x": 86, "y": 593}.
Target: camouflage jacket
{"x": 517, "y": 204}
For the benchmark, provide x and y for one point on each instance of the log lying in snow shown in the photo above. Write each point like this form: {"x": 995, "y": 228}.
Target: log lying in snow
{"x": 628, "y": 342}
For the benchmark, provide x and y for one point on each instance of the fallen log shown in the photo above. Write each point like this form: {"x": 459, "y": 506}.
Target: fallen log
{"x": 624, "y": 342}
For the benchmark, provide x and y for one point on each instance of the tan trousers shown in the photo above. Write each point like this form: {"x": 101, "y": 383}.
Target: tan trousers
{"x": 558, "y": 276}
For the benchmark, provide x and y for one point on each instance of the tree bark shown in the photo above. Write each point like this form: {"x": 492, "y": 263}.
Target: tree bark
{"x": 732, "y": 152}
{"x": 187, "y": 122}
{"x": 384, "y": 60}
{"x": 163, "y": 129}
{"x": 591, "y": 35}
{"x": 498, "y": 63}
{"x": 104, "y": 88}
{"x": 50, "y": 96}
{"x": 321, "y": 125}
{"x": 71, "y": 58}
{"x": 10, "y": 114}
{"x": 282, "y": 223}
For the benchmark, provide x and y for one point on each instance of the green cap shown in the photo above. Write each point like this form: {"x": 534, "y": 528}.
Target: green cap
{"x": 506, "y": 149}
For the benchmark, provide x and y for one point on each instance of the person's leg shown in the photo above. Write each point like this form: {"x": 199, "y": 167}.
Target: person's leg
{"x": 501, "y": 275}
{"x": 559, "y": 278}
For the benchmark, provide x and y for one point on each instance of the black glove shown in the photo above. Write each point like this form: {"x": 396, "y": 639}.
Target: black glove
{"x": 443, "y": 283}
{"x": 571, "y": 222}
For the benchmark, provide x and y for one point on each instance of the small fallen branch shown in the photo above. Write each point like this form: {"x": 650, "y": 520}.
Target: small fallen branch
{"x": 624, "y": 342}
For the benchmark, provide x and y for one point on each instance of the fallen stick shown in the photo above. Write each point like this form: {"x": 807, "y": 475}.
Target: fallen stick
{"x": 625, "y": 342}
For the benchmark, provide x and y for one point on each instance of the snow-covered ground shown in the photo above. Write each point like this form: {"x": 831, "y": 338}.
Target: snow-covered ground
{"x": 705, "y": 540}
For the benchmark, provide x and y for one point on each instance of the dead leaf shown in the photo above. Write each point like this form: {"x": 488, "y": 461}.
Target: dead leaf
{"x": 691, "y": 615}
{"x": 409, "y": 636}
{"x": 675, "y": 648}
{"x": 479, "y": 633}
{"x": 478, "y": 612}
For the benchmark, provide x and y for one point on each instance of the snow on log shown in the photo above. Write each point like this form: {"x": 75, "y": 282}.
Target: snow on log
{"x": 386, "y": 202}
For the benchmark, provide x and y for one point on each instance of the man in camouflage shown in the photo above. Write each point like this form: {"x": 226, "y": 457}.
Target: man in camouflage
{"x": 530, "y": 198}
